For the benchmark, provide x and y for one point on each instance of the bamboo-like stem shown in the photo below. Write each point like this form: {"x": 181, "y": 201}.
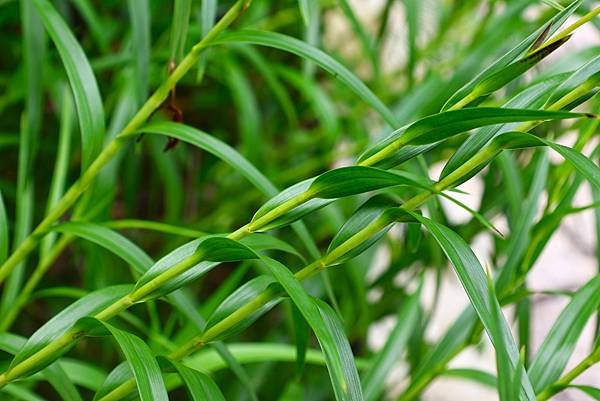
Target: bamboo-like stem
{"x": 137, "y": 295}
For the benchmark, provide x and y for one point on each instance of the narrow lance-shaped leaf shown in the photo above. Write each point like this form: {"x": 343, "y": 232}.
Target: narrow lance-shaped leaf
{"x": 547, "y": 30}
{"x": 200, "y": 386}
{"x": 3, "y": 231}
{"x": 474, "y": 281}
{"x": 81, "y": 78}
{"x": 55, "y": 374}
{"x": 198, "y": 257}
{"x": 441, "y": 126}
{"x": 583, "y": 165}
{"x": 110, "y": 240}
{"x": 373, "y": 382}
{"x": 554, "y": 353}
{"x": 532, "y": 98}
{"x": 328, "y": 330}
{"x": 337, "y": 183}
{"x": 179, "y": 27}
{"x": 66, "y": 319}
{"x": 305, "y": 9}
{"x": 590, "y": 70}
{"x": 320, "y": 58}
{"x": 61, "y": 164}
{"x": 244, "y": 294}
{"x": 139, "y": 14}
{"x": 142, "y": 362}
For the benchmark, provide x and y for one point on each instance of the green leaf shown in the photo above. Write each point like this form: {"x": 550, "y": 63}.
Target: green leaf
{"x": 139, "y": 14}
{"x": 66, "y": 319}
{"x": 198, "y": 257}
{"x": 295, "y": 46}
{"x": 140, "y": 359}
{"x": 301, "y": 336}
{"x": 479, "y": 376}
{"x": 55, "y": 374}
{"x": 384, "y": 360}
{"x": 520, "y": 233}
{"x": 347, "y": 181}
{"x": 110, "y": 240}
{"x": 120, "y": 374}
{"x": 81, "y": 78}
{"x": 593, "y": 392}
{"x": 583, "y": 165}
{"x": 305, "y": 8}
{"x": 532, "y": 97}
{"x": 296, "y": 213}
{"x": 337, "y": 183}
{"x": 247, "y": 110}
{"x": 179, "y": 27}
{"x": 590, "y": 70}
{"x": 368, "y": 212}
{"x": 3, "y": 231}
{"x": 554, "y": 353}
{"x": 512, "y": 71}
{"x": 199, "y": 386}
{"x": 441, "y": 126}
{"x": 21, "y": 393}
{"x": 61, "y": 165}
{"x": 474, "y": 281}
{"x": 328, "y": 330}
{"x": 216, "y": 147}
{"x": 206, "y": 19}
{"x": 547, "y": 30}
{"x": 247, "y": 293}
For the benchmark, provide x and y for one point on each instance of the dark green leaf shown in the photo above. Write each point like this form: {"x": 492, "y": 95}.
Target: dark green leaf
{"x": 315, "y": 55}
{"x": 327, "y": 328}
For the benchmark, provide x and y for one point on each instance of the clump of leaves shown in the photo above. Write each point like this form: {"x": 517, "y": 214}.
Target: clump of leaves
{"x": 193, "y": 115}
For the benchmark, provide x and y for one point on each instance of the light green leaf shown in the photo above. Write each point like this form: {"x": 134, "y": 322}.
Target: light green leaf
{"x": 179, "y": 27}
{"x": 532, "y": 97}
{"x": 583, "y": 165}
{"x": 474, "y": 281}
{"x": 81, "y": 78}
{"x": 554, "y": 353}
{"x": 4, "y": 240}
{"x": 139, "y": 15}
{"x": 61, "y": 164}
{"x": 110, "y": 240}
{"x": 383, "y": 361}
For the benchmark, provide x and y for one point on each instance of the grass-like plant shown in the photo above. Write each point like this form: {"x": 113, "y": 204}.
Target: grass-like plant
{"x": 162, "y": 226}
